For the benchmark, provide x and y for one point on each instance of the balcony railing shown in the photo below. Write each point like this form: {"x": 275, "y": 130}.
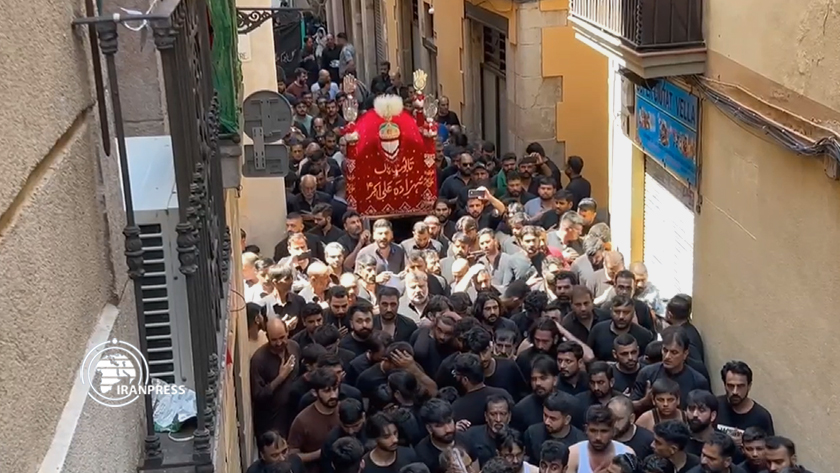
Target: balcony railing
{"x": 646, "y": 24}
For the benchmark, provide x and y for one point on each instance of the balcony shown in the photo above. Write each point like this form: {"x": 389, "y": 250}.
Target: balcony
{"x": 652, "y": 38}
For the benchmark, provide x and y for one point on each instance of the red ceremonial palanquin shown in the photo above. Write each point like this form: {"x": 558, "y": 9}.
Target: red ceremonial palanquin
{"x": 391, "y": 167}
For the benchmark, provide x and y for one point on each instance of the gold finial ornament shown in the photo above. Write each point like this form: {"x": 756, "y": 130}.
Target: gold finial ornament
{"x": 420, "y": 80}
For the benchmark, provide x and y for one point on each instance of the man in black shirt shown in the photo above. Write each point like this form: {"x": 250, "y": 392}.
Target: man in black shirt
{"x": 312, "y": 317}
{"x": 558, "y": 410}
{"x": 626, "y": 430}
{"x": 718, "y": 453}
{"x": 600, "y": 386}
{"x": 737, "y": 409}
{"x": 497, "y": 412}
{"x": 324, "y": 229}
{"x": 469, "y": 374}
{"x": 626, "y": 367}
{"x": 500, "y": 373}
{"x": 529, "y": 410}
{"x": 351, "y": 416}
{"x": 361, "y": 326}
{"x": 675, "y": 345}
{"x": 397, "y": 325}
{"x": 754, "y": 446}
{"x": 578, "y": 185}
{"x": 387, "y": 456}
{"x": 330, "y": 58}
{"x": 701, "y": 410}
{"x": 670, "y": 440}
{"x": 573, "y": 379}
{"x": 603, "y": 334}
{"x": 438, "y": 416}
{"x": 454, "y": 188}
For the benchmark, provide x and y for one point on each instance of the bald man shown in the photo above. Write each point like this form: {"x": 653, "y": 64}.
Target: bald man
{"x": 274, "y": 367}
{"x": 646, "y": 291}
{"x": 318, "y": 274}
{"x": 613, "y": 263}
{"x": 308, "y": 198}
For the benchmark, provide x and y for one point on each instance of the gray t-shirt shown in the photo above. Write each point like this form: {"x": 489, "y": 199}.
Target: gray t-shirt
{"x": 348, "y": 54}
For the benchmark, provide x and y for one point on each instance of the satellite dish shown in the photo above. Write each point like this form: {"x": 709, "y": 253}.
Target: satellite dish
{"x": 270, "y": 111}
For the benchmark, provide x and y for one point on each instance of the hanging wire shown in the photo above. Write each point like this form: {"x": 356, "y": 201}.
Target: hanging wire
{"x": 780, "y": 135}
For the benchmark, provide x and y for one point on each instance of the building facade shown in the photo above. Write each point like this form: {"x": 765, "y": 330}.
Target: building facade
{"x": 723, "y": 179}
{"x": 61, "y": 244}
{"x": 512, "y": 71}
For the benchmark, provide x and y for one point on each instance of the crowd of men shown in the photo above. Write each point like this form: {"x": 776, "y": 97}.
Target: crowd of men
{"x": 505, "y": 335}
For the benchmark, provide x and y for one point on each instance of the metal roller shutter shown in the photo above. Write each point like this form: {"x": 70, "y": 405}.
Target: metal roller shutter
{"x": 669, "y": 231}
{"x": 379, "y": 32}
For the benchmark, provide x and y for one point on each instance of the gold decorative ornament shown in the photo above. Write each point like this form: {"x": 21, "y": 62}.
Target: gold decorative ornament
{"x": 420, "y": 78}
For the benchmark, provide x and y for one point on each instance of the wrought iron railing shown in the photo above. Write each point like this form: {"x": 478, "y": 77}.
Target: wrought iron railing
{"x": 181, "y": 35}
{"x": 646, "y": 24}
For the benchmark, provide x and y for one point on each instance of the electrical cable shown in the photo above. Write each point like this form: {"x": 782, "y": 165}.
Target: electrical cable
{"x": 829, "y": 146}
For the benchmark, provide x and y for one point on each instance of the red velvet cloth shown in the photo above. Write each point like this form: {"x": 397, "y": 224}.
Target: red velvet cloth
{"x": 380, "y": 186}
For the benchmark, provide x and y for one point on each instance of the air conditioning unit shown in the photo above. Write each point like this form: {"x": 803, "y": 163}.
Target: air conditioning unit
{"x": 164, "y": 295}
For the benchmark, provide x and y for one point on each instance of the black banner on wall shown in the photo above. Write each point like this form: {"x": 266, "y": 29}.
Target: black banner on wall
{"x": 288, "y": 43}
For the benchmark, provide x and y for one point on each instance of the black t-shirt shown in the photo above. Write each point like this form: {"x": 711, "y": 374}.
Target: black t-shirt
{"x": 358, "y": 347}
{"x": 688, "y": 379}
{"x": 345, "y": 391}
{"x": 260, "y": 466}
{"x": 527, "y": 412}
{"x": 602, "y": 337}
{"x": 758, "y": 416}
{"x": 482, "y": 443}
{"x": 581, "y": 384}
{"x": 641, "y": 442}
{"x": 691, "y": 461}
{"x": 326, "y": 452}
{"x": 357, "y": 367}
{"x": 405, "y": 456}
{"x": 471, "y": 405}
{"x": 430, "y": 455}
{"x": 370, "y": 379}
{"x": 508, "y": 378}
{"x": 623, "y": 381}
{"x": 536, "y": 434}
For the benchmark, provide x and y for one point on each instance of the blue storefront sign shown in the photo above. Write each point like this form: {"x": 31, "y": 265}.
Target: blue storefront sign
{"x": 666, "y": 128}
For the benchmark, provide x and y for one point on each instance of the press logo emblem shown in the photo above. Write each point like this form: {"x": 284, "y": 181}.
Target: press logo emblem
{"x": 117, "y": 374}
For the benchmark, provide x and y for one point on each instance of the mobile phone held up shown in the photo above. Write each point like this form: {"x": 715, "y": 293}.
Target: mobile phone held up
{"x": 475, "y": 194}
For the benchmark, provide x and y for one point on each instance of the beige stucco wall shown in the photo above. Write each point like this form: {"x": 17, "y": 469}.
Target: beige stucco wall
{"x": 263, "y": 200}
{"x": 765, "y": 284}
{"x": 59, "y": 217}
{"x": 791, "y": 43}
{"x": 766, "y": 279}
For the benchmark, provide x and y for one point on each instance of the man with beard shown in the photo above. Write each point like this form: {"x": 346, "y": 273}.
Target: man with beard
{"x": 486, "y": 216}
{"x": 529, "y": 410}
{"x": 669, "y": 441}
{"x": 550, "y": 218}
{"x": 416, "y": 295}
{"x": 454, "y": 188}
{"x": 488, "y": 310}
{"x": 558, "y": 410}
{"x": 544, "y": 202}
{"x": 387, "y": 456}
{"x": 738, "y": 411}
{"x": 528, "y": 172}
{"x": 596, "y": 453}
{"x": 398, "y": 355}
{"x": 389, "y": 321}
{"x": 443, "y": 212}
{"x": 503, "y": 269}
{"x": 600, "y": 385}
{"x": 318, "y": 277}
{"x": 434, "y": 224}
{"x": 626, "y": 430}
{"x": 511, "y": 448}
{"x": 544, "y": 337}
{"x": 718, "y": 451}
{"x": 701, "y": 410}
{"x": 351, "y": 417}
{"x": 626, "y": 367}
{"x": 673, "y": 365}
{"x": 421, "y": 239}
{"x": 322, "y": 218}
{"x": 274, "y": 368}
{"x": 294, "y": 224}
{"x": 382, "y": 82}
{"x": 498, "y": 372}
{"x": 337, "y": 305}
{"x": 590, "y": 261}
{"x": 312, "y": 317}
{"x": 312, "y": 426}
{"x": 416, "y": 262}
{"x": 497, "y": 411}
{"x": 531, "y": 244}
{"x": 361, "y": 326}
{"x": 328, "y": 336}
{"x": 430, "y": 351}
{"x": 459, "y": 249}
{"x": 309, "y": 198}
{"x": 345, "y": 391}
{"x": 469, "y": 376}
{"x": 781, "y": 456}
{"x": 603, "y": 334}
{"x": 440, "y": 424}
{"x": 377, "y": 343}
{"x": 515, "y": 191}
{"x": 355, "y": 238}
{"x": 573, "y": 379}
{"x": 510, "y": 233}
{"x": 273, "y": 452}
{"x": 390, "y": 257}
{"x": 624, "y": 284}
